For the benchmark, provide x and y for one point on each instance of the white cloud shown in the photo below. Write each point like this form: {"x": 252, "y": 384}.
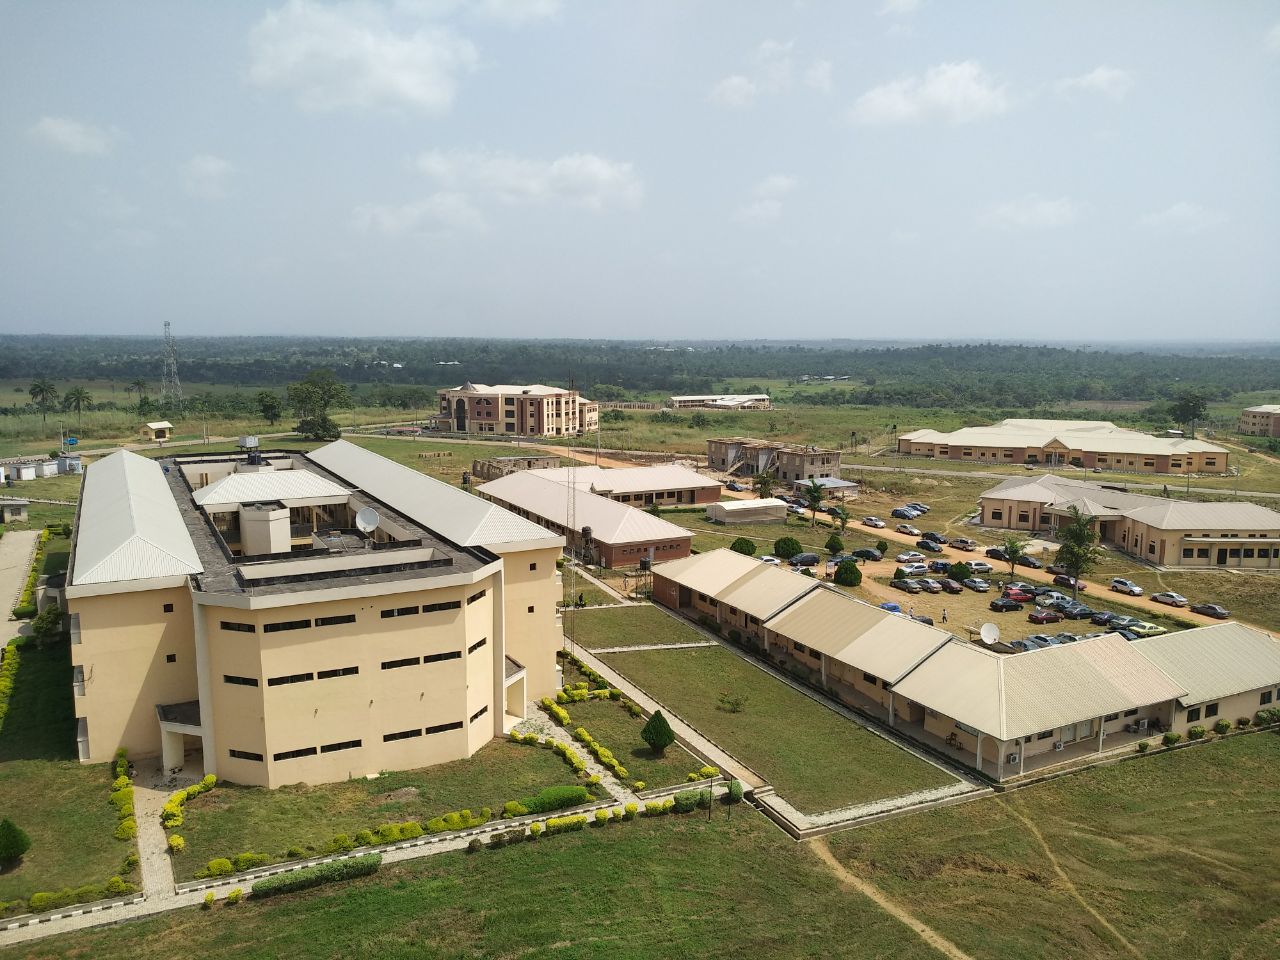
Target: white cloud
{"x": 1273, "y": 39}
{"x": 1110, "y": 82}
{"x": 734, "y": 91}
{"x": 517, "y": 12}
{"x": 1184, "y": 218}
{"x": 438, "y": 213}
{"x": 773, "y": 58}
{"x": 1032, "y": 213}
{"x": 954, "y": 92}
{"x": 580, "y": 179}
{"x": 349, "y": 56}
{"x": 73, "y": 136}
{"x": 899, "y": 8}
{"x": 206, "y": 176}
{"x": 818, "y": 75}
{"x": 766, "y": 200}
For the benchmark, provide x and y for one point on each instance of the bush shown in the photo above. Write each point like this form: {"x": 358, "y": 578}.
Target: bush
{"x": 322, "y": 873}
{"x": 1244, "y": 722}
{"x": 235, "y": 896}
{"x": 602, "y": 817}
{"x": 735, "y": 635}
{"x": 634, "y": 709}
{"x": 126, "y": 829}
{"x": 505, "y": 838}
{"x": 474, "y": 844}
{"x": 657, "y": 733}
{"x": 834, "y": 544}
{"x": 554, "y": 798}
{"x": 295, "y": 853}
{"x": 457, "y": 820}
{"x": 364, "y": 838}
{"x": 120, "y": 783}
{"x": 220, "y": 867}
{"x": 535, "y": 830}
{"x": 24, "y": 611}
{"x": 1196, "y": 733}
{"x": 787, "y": 547}
{"x": 848, "y": 574}
{"x": 566, "y": 824}
{"x": 1267, "y": 715}
{"x": 630, "y": 811}
{"x": 177, "y": 844}
{"x": 744, "y": 546}
{"x": 1144, "y": 746}
{"x": 120, "y": 764}
{"x": 735, "y": 792}
{"x": 558, "y": 713}
{"x": 130, "y": 863}
{"x": 882, "y": 546}
{"x": 960, "y": 571}
{"x": 1170, "y": 738}
{"x": 1222, "y": 726}
{"x": 249, "y": 861}
{"x": 14, "y": 842}
{"x": 686, "y": 801}
{"x": 208, "y": 901}
{"x": 638, "y": 785}
{"x": 704, "y": 799}
{"x": 733, "y": 702}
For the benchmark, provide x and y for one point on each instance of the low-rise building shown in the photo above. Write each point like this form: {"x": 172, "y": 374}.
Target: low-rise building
{"x": 20, "y": 470}
{"x": 495, "y": 467}
{"x": 157, "y": 431}
{"x": 534, "y": 410}
{"x": 765, "y": 510}
{"x": 13, "y": 511}
{"x": 722, "y": 401}
{"x": 1170, "y": 533}
{"x": 1081, "y": 443}
{"x": 666, "y": 484}
{"x": 1261, "y": 421}
{"x": 786, "y": 461}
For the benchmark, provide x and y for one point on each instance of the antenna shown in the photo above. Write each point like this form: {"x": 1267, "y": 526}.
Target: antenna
{"x": 990, "y": 633}
{"x": 170, "y": 385}
{"x": 367, "y": 520}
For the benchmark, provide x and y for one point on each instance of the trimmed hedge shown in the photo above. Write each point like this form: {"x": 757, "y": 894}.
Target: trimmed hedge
{"x": 8, "y": 671}
{"x": 171, "y": 815}
{"x": 318, "y": 875}
{"x": 458, "y": 820}
{"x": 558, "y": 713}
{"x": 115, "y": 887}
{"x": 26, "y": 607}
{"x": 549, "y": 799}
{"x": 566, "y": 824}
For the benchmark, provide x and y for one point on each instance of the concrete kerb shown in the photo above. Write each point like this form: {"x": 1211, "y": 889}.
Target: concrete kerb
{"x": 98, "y": 906}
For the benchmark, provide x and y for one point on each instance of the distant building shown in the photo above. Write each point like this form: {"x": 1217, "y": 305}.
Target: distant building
{"x": 527, "y": 411}
{"x": 723, "y": 401}
{"x": 496, "y": 467}
{"x": 1261, "y": 421}
{"x": 766, "y": 510}
{"x": 1081, "y": 443}
{"x": 157, "y": 431}
{"x": 788, "y": 461}
{"x": 70, "y": 463}
{"x": 667, "y": 484}
{"x": 13, "y": 511}
{"x": 23, "y": 470}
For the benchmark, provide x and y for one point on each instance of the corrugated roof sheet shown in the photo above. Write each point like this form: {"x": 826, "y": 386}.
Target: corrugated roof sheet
{"x": 708, "y": 573}
{"x": 454, "y": 514}
{"x": 746, "y": 506}
{"x": 130, "y": 528}
{"x": 1099, "y": 436}
{"x": 1217, "y": 661}
{"x": 268, "y": 485}
{"x": 766, "y": 589}
{"x": 663, "y": 476}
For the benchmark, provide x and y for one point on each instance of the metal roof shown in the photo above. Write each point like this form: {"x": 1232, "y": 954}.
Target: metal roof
{"x": 1183, "y": 515}
{"x": 708, "y": 573}
{"x": 1009, "y": 696}
{"x": 160, "y": 424}
{"x": 664, "y": 476}
{"x": 1264, "y": 408}
{"x": 1217, "y": 661}
{"x": 766, "y": 589}
{"x": 129, "y": 526}
{"x": 455, "y": 514}
{"x": 610, "y": 522}
{"x": 283, "y": 485}
{"x": 1101, "y": 436}
{"x": 746, "y": 506}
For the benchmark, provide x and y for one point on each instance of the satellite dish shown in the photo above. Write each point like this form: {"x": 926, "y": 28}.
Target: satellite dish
{"x": 367, "y": 520}
{"x": 990, "y": 633}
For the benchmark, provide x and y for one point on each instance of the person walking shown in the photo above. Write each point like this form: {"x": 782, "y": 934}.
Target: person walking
{"x": 944, "y": 614}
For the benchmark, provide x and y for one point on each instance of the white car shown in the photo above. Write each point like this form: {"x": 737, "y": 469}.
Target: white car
{"x": 1121, "y": 585}
{"x": 978, "y": 566}
{"x": 914, "y": 570}
{"x": 1171, "y": 598}
{"x": 798, "y": 511}
{"x": 908, "y": 529}
{"x": 874, "y": 522}
{"x": 911, "y": 556}
{"x": 769, "y": 558}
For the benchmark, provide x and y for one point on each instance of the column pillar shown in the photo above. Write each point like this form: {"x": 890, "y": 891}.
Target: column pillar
{"x": 978, "y": 751}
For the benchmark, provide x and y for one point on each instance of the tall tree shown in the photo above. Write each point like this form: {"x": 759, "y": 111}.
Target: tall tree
{"x": 814, "y": 493}
{"x": 45, "y": 397}
{"x": 1188, "y": 407}
{"x": 657, "y": 733}
{"x": 764, "y": 484}
{"x": 139, "y": 386}
{"x": 312, "y": 398}
{"x": 269, "y": 406}
{"x": 1015, "y": 548}
{"x": 841, "y": 517}
{"x": 77, "y": 398}
{"x": 14, "y": 842}
{"x": 1079, "y": 552}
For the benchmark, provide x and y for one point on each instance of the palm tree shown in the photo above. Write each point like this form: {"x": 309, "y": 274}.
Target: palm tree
{"x": 1015, "y": 548}
{"x": 139, "y": 387}
{"x": 814, "y": 493}
{"x": 77, "y": 398}
{"x": 764, "y": 484}
{"x": 842, "y": 518}
{"x": 45, "y": 397}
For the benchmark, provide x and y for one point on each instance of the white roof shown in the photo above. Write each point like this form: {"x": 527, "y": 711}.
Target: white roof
{"x": 454, "y": 514}
{"x": 129, "y": 527}
{"x": 285, "y": 485}
{"x": 610, "y": 521}
{"x": 1264, "y": 408}
{"x": 532, "y": 389}
{"x": 1092, "y": 435}
{"x": 767, "y": 589}
{"x": 710, "y": 572}
{"x": 726, "y": 397}
{"x": 159, "y": 424}
{"x": 1183, "y": 515}
{"x": 746, "y": 506}
{"x": 1009, "y": 696}
{"x": 665, "y": 476}
{"x": 1217, "y": 661}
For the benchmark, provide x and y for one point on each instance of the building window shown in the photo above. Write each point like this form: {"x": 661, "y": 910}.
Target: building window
{"x": 531, "y": 609}
{"x": 870, "y": 678}
{"x": 335, "y": 620}
{"x": 1023, "y": 517}
{"x": 344, "y": 745}
{"x": 291, "y": 678}
{"x": 401, "y": 735}
{"x": 1202, "y": 553}
{"x": 1151, "y": 547}
{"x": 800, "y": 647}
{"x": 533, "y": 566}
{"x": 239, "y": 627}
{"x": 1110, "y": 716}
{"x": 396, "y": 664}
{"x": 170, "y": 658}
{"x": 286, "y": 625}
{"x": 437, "y": 607}
{"x": 294, "y": 754}
{"x": 1265, "y": 698}
{"x": 477, "y": 645}
{"x": 479, "y": 713}
{"x": 240, "y": 681}
{"x": 1187, "y": 553}
{"x": 1247, "y": 553}
{"x": 168, "y": 608}
{"x": 438, "y": 657}
{"x": 476, "y": 596}
{"x": 997, "y": 514}
{"x": 443, "y": 727}
{"x": 245, "y": 755}
{"x": 1193, "y": 715}
{"x": 339, "y": 672}
{"x": 1210, "y": 710}
{"x": 399, "y": 612}
{"x": 1045, "y": 735}
{"x": 1131, "y": 713}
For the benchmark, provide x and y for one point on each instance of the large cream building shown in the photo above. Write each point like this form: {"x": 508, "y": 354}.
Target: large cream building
{"x": 534, "y": 410}
{"x": 232, "y": 605}
{"x": 1261, "y": 421}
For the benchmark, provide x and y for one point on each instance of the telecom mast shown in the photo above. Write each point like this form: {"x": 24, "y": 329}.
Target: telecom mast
{"x": 571, "y": 533}
{"x": 170, "y": 385}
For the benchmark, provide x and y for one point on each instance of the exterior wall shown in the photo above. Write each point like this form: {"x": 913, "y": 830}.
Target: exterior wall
{"x": 125, "y": 639}
{"x": 666, "y": 592}
{"x": 1228, "y": 708}
{"x": 630, "y": 554}
{"x": 530, "y": 580}
{"x": 1210, "y": 549}
{"x": 562, "y": 413}
{"x": 1214, "y": 463}
{"x": 1010, "y": 514}
{"x": 1259, "y": 423}
{"x": 485, "y": 470}
{"x": 669, "y": 496}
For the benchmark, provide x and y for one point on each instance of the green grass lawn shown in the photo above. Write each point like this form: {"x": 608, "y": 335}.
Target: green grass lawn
{"x": 647, "y": 890}
{"x": 1176, "y": 851}
{"x": 233, "y": 819}
{"x": 815, "y": 758}
{"x": 57, "y": 554}
{"x": 711, "y": 536}
{"x": 61, "y": 804}
{"x": 629, "y": 626}
{"x": 592, "y": 594}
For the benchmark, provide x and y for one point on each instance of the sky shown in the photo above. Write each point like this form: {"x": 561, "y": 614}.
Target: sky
{"x": 661, "y": 169}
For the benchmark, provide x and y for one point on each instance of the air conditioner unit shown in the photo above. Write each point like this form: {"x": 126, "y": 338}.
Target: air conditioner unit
{"x": 1059, "y": 745}
{"x": 1011, "y": 758}
{"x": 1144, "y": 723}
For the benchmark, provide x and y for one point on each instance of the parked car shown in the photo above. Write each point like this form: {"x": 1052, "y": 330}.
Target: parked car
{"x": 910, "y": 556}
{"x": 930, "y": 585}
{"x": 805, "y": 560}
{"x": 939, "y": 566}
{"x": 1211, "y": 610}
{"x": 976, "y": 584}
{"x": 1022, "y": 646}
{"x": 874, "y": 522}
{"x": 1046, "y": 590}
{"x": 770, "y": 558}
{"x": 950, "y": 586}
{"x": 907, "y": 529}
{"x": 1063, "y": 580}
{"x": 995, "y": 553}
{"x": 919, "y": 507}
{"x": 1049, "y": 596}
{"x": 1020, "y": 585}
{"x": 1077, "y": 611}
{"x": 1103, "y": 617}
{"x": 1127, "y": 634}
{"x": 1044, "y": 615}
{"x": 1123, "y": 623}
{"x": 914, "y": 569}
{"x": 1031, "y": 562}
{"x": 735, "y": 487}
{"x": 834, "y": 511}
{"x": 902, "y": 513}
{"x": 839, "y": 558}
{"x": 928, "y": 545}
{"x": 1004, "y": 605}
{"x": 910, "y": 586}
{"x": 1121, "y": 585}
{"x": 867, "y": 553}
{"x": 936, "y": 537}
{"x": 979, "y": 566}
{"x": 892, "y": 606}
{"x": 964, "y": 543}
{"x": 1018, "y": 595}
{"x": 1169, "y": 597}
{"x": 1066, "y": 637}
{"x": 798, "y": 511}
{"x": 1144, "y": 629}
{"x": 922, "y": 618}
{"x": 1056, "y": 568}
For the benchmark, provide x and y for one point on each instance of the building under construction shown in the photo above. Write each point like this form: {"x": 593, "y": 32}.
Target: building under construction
{"x": 747, "y": 457}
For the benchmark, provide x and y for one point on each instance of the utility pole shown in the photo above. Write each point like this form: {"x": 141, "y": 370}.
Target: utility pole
{"x": 170, "y": 385}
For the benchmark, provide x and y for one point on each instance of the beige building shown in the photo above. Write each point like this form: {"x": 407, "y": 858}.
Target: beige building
{"x": 722, "y": 401}
{"x": 1169, "y": 533}
{"x": 1261, "y": 421}
{"x": 288, "y": 617}
{"x": 495, "y": 467}
{"x": 764, "y": 510}
{"x": 786, "y": 461}
{"x": 527, "y": 411}
{"x": 1081, "y": 443}
{"x": 664, "y": 484}
{"x": 158, "y": 431}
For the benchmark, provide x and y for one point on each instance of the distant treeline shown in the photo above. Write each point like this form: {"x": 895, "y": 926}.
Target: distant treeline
{"x": 404, "y": 371}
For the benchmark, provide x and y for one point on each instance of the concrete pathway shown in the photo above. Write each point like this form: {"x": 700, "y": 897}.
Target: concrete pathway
{"x": 544, "y": 726}
{"x": 656, "y": 646}
{"x": 17, "y": 548}
{"x": 150, "y": 792}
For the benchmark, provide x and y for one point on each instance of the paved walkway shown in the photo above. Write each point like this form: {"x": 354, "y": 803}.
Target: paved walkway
{"x": 150, "y": 791}
{"x": 656, "y": 646}
{"x": 17, "y": 547}
{"x": 544, "y": 726}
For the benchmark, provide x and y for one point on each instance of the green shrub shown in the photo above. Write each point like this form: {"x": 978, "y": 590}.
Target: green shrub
{"x": 1170, "y": 738}
{"x": 249, "y": 861}
{"x": 834, "y": 544}
{"x": 787, "y": 547}
{"x": 514, "y": 808}
{"x": 235, "y": 896}
{"x": 735, "y": 792}
{"x": 557, "y": 713}
{"x": 177, "y": 844}
{"x": 704, "y": 798}
{"x": 24, "y": 611}
{"x": 1196, "y": 733}
{"x": 220, "y": 867}
{"x": 1222, "y": 726}
{"x": 1144, "y": 746}
{"x": 126, "y": 829}
{"x": 630, "y": 811}
{"x": 602, "y": 817}
{"x": 655, "y": 808}
{"x": 388, "y": 833}
{"x": 474, "y": 844}
{"x": 638, "y": 785}
{"x": 848, "y": 574}
{"x": 566, "y": 824}
{"x": 338, "y": 843}
{"x": 744, "y": 546}
{"x": 535, "y": 830}
{"x": 120, "y": 783}
{"x": 686, "y": 801}
{"x": 308, "y": 877}
{"x": 130, "y": 864}
{"x": 555, "y": 798}
{"x": 411, "y": 830}
{"x": 120, "y": 764}
{"x": 207, "y": 904}
{"x": 1266, "y": 716}
{"x": 14, "y": 842}
{"x": 657, "y": 733}
{"x": 457, "y": 820}
{"x": 364, "y": 838}
{"x": 1243, "y": 722}
{"x": 296, "y": 853}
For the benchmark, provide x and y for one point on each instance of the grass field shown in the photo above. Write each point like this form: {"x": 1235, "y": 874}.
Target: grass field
{"x": 59, "y": 803}
{"x": 593, "y": 595}
{"x": 1175, "y": 851}
{"x": 815, "y": 758}
{"x": 234, "y": 819}
{"x": 612, "y": 725}
{"x": 630, "y": 626}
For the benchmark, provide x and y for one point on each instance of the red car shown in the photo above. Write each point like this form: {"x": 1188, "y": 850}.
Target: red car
{"x": 1012, "y": 593}
{"x": 1045, "y": 616}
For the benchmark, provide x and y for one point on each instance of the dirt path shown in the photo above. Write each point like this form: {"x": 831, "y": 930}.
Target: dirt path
{"x": 1062, "y": 874}
{"x": 872, "y": 893}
